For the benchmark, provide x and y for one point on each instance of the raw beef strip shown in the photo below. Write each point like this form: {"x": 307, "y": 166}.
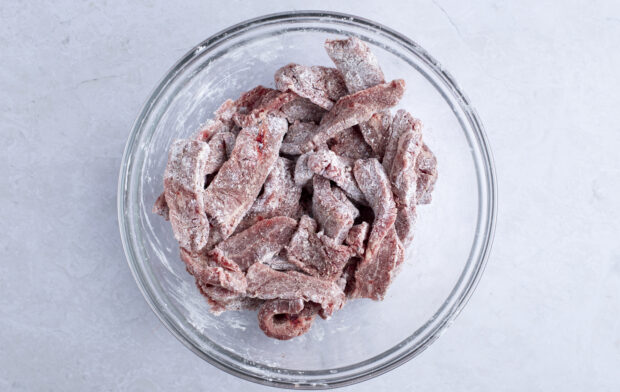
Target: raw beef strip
{"x": 161, "y": 208}
{"x": 402, "y": 122}
{"x": 220, "y": 148}
{"x": 207, "y": 270}
{"x": 404, "y": 225}
{"x": 257, "y": 103}
{"x": 236, "y": 185}
{"x": 361, "y": 70}
{"x": 184, "y": 192}
{"x": 331, "y": 208}
{"x": 403, "y": 177}
{"x": 215, "y": 237}
{"x": 375, "y": 131}
{"x": 347, "y": 279}
{"x": 384, "y": 250}
{"x": 350, "y": 144}
{"x": 226, "y": 112}
{"x": 303, "y": 174}
{"x": 303, "y": 110}
{"x": 221, "y": 123}
{"x": 267, "y": 283}
{"x": 321, "y": 85}
{"x": 280, "y": 196}
{"x": 372, "y": 277}
{"x": 211, "y": 128}
{"x": 353, "y": 109}
{"x": 356, "y": 237}
{"x": 299, "y": 133}
{"x": 235, "y": 129}
{"x": 375, "y": 185}
{"x": 229, "y": 143}
{"x": 248, "y": 100}
{"x": 280, "y": 263}
{"x": 221, "y": 300}
{"x": 258, "y": 243}
{"x": 316, "y": 254}
{"x": 338, "y": 169}
{"x": 286, "y": 319}
{"x": 426, "y": 168}
{"x": 357, "y": 64}
{"x": 280, "y": 306}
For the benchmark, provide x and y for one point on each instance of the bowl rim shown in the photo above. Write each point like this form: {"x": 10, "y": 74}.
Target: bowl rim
{"x": 487, "y": 160}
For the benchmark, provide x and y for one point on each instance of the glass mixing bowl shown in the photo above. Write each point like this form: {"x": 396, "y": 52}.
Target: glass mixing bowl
{"x": 365, "y": 338}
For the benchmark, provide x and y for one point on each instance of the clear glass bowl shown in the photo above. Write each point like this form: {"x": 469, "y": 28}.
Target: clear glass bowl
{"x": 365, "y": 339}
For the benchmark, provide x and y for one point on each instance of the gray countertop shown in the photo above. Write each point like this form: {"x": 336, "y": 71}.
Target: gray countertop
{"x": 543, "y": 76}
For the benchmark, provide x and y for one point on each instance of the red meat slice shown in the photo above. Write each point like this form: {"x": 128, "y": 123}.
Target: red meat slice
{"x": 221, "y": 300}
{"x": 254, "y": 105}
{"x": 238, "y": 182}
{"x": 357, "y": 64}
{"x": 303, "y": 175}
{"x": 280, "y": 196}
{"x": 281, "y": 263}
{"x": 316, "y": 254}
{"x": 211, "y": 128}
{"x": 338, "y": 169}
{"x": 161, "y": 208}
{"x": 208, "y": 270}
{"x": 356, "y": 108}
{"x": 375, "y": 131}
{"x": 384, "y": 250}
{"x": 222, "y": 122}
{"x": 350, "y": 144}
{"x": 331, "y": 208}
{"x": 220, "y": 148}
{"x": 299, "y": 133}
{"x": 184, "y": 192}
{"x": 426, "y": 168}
{"x": 259, "y": 243}
{"x": 286, "y": 319}
{"x": 215, "y": 237}
{"x": 375, "y": 185}
{"x": 226, "y": 112}
{"x": 301, "y": 109}
{"x": 267, "y": 283}
{"x": 402, "y": 122}
{"x": 373, "y": 277}
{"x": 403, "y": 177}
{"x": 361, "y": 70}
{"x": 347, "y": 279}
{"x": 321, "y": 85}
{"x": 357, "y": 237}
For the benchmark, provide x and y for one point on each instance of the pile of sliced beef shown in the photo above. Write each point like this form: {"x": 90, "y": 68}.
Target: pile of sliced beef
{"x": 295, "y": 200}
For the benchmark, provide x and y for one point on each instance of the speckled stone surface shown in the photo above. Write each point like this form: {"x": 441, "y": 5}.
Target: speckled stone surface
{"x": 543, "y": 76}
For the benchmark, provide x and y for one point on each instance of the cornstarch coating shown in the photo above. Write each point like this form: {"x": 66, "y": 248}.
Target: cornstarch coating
{"x": 238, "y": 182}
{"x": 183, "y": 190}
{"x": 404, "y": 182}
{"x": 353, "y": 109}
{"x": 280, "y": 196}
{"x": 332, "y": 209}
{"x": 299, "y": 133}
{"x": 360, "y": 69}
{"x": 350, "y": 144}
{"x": 337, "y": 169}
{"x": 320, "y": 85}
{"x": 315, "y": 253}
{"x": 291, "y": 201}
